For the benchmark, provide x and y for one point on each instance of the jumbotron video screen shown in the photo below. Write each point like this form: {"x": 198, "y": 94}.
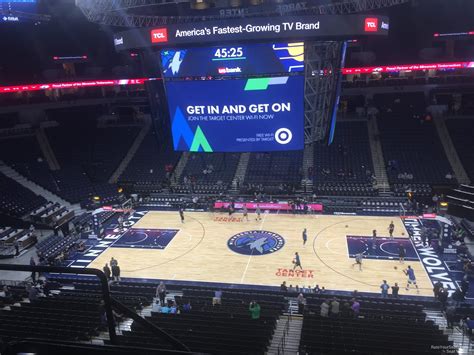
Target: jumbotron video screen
{"x": 251, "y": 98}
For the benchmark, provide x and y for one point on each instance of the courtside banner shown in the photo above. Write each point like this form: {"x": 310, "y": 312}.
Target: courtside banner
{"x": 261, "y": 28}
{"x": 282, "y": 206}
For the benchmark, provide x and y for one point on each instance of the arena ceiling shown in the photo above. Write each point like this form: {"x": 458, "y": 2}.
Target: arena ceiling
{"x": 148, "y": 13}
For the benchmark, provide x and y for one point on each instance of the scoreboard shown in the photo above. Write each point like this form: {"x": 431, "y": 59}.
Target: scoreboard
{"x": 233, "y": 60}
{"x": 235, "y": 98}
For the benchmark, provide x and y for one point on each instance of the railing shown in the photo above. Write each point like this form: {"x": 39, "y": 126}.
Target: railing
{"x": 108, "y": 301}
{"x": 13, "y": 283}
{"x": 286, "y": 331}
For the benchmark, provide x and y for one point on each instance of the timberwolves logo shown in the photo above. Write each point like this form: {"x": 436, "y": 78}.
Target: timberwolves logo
{"x": 256, "y": 243}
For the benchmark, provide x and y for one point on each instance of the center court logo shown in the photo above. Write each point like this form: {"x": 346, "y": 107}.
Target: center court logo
{"x": 256, "y": 243}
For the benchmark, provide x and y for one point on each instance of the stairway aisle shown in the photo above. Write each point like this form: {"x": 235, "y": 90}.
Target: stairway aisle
{"x": 292, "y": 336}
{"x": 377, "y": 156}
{"x": 460, "y": 341}
{"x": 450, "y": 150}
{"x": 308, "y": 161}
{"x": 46, "y": 149}
{"x": 178, "y": 170}
{"x": 131, "y": 152}
{"x": 240, "y": 172}
{"x": 30, "y": 185}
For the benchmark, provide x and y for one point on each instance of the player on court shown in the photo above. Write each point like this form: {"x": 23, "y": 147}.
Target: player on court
{"x": 305, "y": 236}
{"x": 358, "y": 259}
{"x": 246, "y": 212}
{"x": 258, "y": 212}
{"x": 391, "y": 228}
{"x": 297, "y": 261}
{"x": 411, "y": 278}
{"x": 374, "y": 240}
{"x": 181, "y": 214}
{"x": 401, "y": 253}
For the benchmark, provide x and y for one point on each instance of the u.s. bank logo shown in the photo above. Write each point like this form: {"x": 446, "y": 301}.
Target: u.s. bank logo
{"x": 256, "y": 243}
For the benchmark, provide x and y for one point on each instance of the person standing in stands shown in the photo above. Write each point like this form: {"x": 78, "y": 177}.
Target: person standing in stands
{"x": 391, "y": 228}
{"x": 17, "y": 248}
{"x": 401, "y": 253}
{"x": 301, "y": 303}
{"x": 424, "y": 236}
{"x": 335, "y": 307}
{"x": 395, "y": 290}
{"x": 246, "y": 212}
{"x": 355, "y": 308}
{"x": 385, "y": 287}
{"x": 305, "y": 236}
{"x": 258, "y": 212}
{"x": 33, "y": 293}
{"x": 181, "y": 214}
{"x": 116, "y": 272}
{"x": 443, "y": 297}
{"x": 324, "y": 309}
{"x": 358, "y": 261}
{"x": 186, "y": 308}
{"x": 120, "y": 222}
{"x": 106, "y": 270}
{"x": 346, "y": 309}
{"x": 33, "y": 274}
{"x": 254, "y": 309}
{"x": 283, "y": 287}
{"x": 217, "y": 299}
{"x": 437, "y": 286}
{"x": 297, "y": 261}
{"x": 411, "y": 278}
{"x": 161, "y": 292}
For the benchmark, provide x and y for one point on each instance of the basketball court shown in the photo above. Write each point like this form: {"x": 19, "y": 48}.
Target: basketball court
{"x": 213, "y": 247}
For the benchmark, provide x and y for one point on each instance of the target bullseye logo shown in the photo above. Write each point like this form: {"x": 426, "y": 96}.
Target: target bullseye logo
{"x": 283, "y": 136}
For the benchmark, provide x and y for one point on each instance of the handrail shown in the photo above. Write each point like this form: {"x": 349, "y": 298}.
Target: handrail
{"x": 42, "y": 346}
{"x": 286, "y": 331}
{"x": 86, "y": 271}
{"x": 146, "y": 323}
{"x": 108, "y": 300}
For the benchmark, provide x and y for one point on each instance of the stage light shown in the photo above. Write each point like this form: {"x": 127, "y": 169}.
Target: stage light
{"x": 120, "y": 190}
{"x": 96, "y": 198}
{"x": 443, "y": 204}
{"x": 199, "y": 4}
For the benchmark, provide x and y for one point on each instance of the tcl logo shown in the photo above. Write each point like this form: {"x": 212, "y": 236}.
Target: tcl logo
{"x": 159, "y": 35}
{"x": 371, "y": 24}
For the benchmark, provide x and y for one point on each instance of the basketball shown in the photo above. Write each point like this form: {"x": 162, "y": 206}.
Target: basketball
{"x": 395, "y": 267}
{"x": 347, "y": 226}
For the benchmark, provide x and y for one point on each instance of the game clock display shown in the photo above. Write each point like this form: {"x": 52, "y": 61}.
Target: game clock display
{"x": 229, "y": 53}
{"x": 238, "y": 60}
